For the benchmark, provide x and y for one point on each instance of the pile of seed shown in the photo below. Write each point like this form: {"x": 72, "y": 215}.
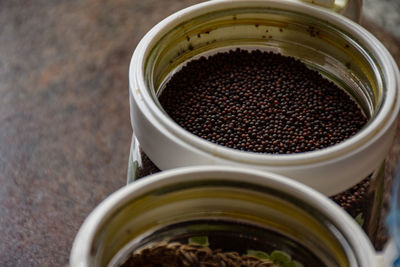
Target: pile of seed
{"x": 176, "y": 255}
{"x": 147, "y": 167}
{"x": 357, "y": 199}
{"x": 261, "y": 102}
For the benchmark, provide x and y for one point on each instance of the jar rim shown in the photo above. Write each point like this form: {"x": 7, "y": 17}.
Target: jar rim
{"x": 85, "y": 241}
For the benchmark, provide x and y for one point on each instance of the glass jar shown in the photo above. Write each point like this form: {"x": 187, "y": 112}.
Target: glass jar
{"x": 338, "y": 48}
{"x": 252, "y": 209}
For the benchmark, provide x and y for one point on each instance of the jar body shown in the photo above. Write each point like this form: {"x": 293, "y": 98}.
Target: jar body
{"x": 338, "y": 48}
{"x": 363, "y": 202}
{"x": 139, "y": 164}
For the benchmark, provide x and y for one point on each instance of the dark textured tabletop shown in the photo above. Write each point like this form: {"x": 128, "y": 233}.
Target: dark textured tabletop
{"x": 64, "y": 115}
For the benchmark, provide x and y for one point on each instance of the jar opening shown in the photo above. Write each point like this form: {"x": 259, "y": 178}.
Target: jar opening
{"x": 265, "y": 217}
{"x": 322, "y": 46}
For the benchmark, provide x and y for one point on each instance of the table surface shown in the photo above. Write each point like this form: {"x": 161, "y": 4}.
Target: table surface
{"x": 64, "y": 115}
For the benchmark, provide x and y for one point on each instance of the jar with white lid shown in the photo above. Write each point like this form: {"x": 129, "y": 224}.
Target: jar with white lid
{"x": 337, "y": 47}
{"x": 255, "y": 209}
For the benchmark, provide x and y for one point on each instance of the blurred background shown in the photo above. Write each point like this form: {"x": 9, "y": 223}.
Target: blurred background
{"x": 64, "y": 112}
{"x": 385, "y": 13}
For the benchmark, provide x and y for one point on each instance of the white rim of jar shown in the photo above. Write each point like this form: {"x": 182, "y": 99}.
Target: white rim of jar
{"x": 85, "y": 239}
{"x": 367, "y": 136}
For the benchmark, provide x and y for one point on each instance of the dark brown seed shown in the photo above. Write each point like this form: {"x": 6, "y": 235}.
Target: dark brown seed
{"x": 260, "y": 102}
{"x": 357, "y": 199}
